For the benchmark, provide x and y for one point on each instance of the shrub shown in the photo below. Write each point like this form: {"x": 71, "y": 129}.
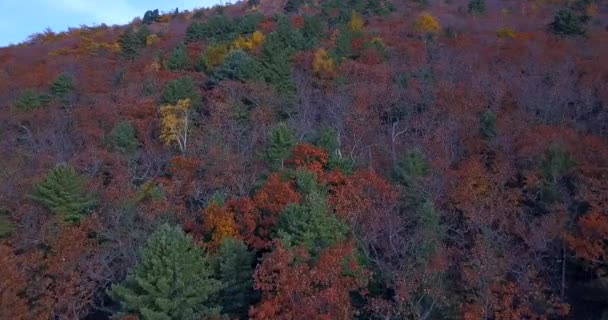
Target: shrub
{"x": 567, "y": 23}
{"x": 181, "y": 89}
{"x": 179, "y": 58}
{"x": 123, "y": 138}
{"x": 172, "y": 281}
{"x": 62, "y": 192}
{"x": 30, "y": 100}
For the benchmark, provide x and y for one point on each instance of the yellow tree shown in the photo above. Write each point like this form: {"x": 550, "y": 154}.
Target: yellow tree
{"x": 426, "y": 23}
{"x": 356, "y": 22}
{"x": 175, "y": 123}
{"x": 323, "y": 63}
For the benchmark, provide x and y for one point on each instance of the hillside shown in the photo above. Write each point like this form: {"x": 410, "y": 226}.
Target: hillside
{"x": 307, "y": 159}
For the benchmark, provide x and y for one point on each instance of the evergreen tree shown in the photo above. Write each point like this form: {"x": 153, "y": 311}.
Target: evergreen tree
{"x": 179, "y": 58}
{"x": 62, "y": 86}
{"x": 62, "y": 193}
{"x": 280, "y": 145}
{"x": 410, "y": 168}
{"x": 311, "y": 225}
{"x": 132, "y": 42}
{"x": 567, "y": 23}
{"x": 181, "y": 89}
{"x": 123, "y": 138}
{"x": 233, "y": 265}
{"x": 237, "y": 65}
{"x": 30, "y": 100}
{"x": 487, "y": 125}
{"x": 151, "y": 16}
{"x": 477, "y": 7}
{"x": 172, "y": 281}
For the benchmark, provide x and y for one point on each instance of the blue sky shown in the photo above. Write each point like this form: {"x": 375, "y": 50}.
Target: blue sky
{"x": 21, "y": 18}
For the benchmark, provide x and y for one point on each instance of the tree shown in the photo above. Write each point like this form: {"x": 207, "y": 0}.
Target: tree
{"x": 123, "y": 138}
{"x": 477, "y": 7}
{"x": 426, "y": 23}
{"x": 30, "y": 100}
{"x": 151, "y": 16}
{"x": 487, "y": 125}
{"x": 175, "y": 123}
{"x": 356, "y": 22}
{"x": 179, "y": 59}
{"x": 62, "y": 192}
{"x": 172, "y": 281}
{"x": 233, "y": 265}
{"x": 181, "y": 89}
{"x": 280, "y": 145}
{"x": 237, "y": 65}
{"x": 62, "y": 87}
{"x": 310, "y": 225}
{"x": 567, "y": 23}
{"x": 132, "y": 41}
{"x": 294, "y": 286}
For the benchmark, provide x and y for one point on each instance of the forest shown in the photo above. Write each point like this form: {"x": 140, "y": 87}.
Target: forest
{"x": 308, "y": 159}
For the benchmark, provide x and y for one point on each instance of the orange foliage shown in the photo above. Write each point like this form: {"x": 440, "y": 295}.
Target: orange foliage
{"x": 308, "y": 157}
{"x": 219, "y": 223}
{"x": 294, "y": 286}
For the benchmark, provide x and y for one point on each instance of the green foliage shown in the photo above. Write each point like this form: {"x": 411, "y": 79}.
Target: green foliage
{"x": 252, "y": 3}
{"x": 133, "y": 41}
{"x": 292, "y": 6}
{"x": 557, "y": 163}
{"x": 410, "y": 168}
{"x": 6, "y": 225}
{"x": 487, "y": 125}
{"x": 151, "y": 16}
{"x": 172, "y": 281}
{"x": 310, "y": 224}
{"x": 237, "y": 65}
{"x": 179, "y": 89}
{"x": 567, "y": 23}
{"x": 248, "y": 23}
{"x": 477, "y": 7}
{"x": 179, "y": 58}
{"x": 344, "y": 44}
{"x": 62, "y": 192}
{"x": 30, "y": 100}
{"x": 123, "y": 138}
{"x": 306, "y": 182}
{"x": 62, "y": 86}
{"x": 149, "y": 191}
{"x": 311, "y": 31}
{"x": 279, "y": 147}
{"x": 233, "y": 265}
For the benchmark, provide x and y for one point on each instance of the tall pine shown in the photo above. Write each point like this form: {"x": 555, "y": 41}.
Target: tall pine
{"x": 62, "y": 193}
{"x": 172, "y": 281}
{"x": 280, "y": 145}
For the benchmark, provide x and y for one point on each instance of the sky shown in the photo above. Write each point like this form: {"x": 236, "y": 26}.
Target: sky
{"x": 21, "y": 18}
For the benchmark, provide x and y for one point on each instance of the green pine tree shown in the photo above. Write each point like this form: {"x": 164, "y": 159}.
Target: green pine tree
{"x": 567, "y": 23}
{"x": 281, "y": 142}
{"x": 172, "y": 281}
{"x": 151, "y": 16}
{"x": 179, "y": 58}
{"x": 133, "y": 41}
{"x": 62, "y": 193}
{"x": 237, "y": 65}
{"x": 311, "y": 224}
{"x": 412, "y": 167}
{"x": 181, "y": 88}
{"x": 233, "y": 265}
{"x": 487, "y": 125}
{"x": 30, "y": 100}
{"x": 123, "y": 138}
{"x": 62, "y": 86}
{"x": 477, "y": 7}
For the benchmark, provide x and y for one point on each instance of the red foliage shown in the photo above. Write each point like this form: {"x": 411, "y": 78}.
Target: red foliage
{"x": 294, "y": 286}
{"x": 308, "y": 157}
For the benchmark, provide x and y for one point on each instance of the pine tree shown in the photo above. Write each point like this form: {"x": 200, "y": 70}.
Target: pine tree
{"x": 172, "y": 281}
{"x": 311, "y": 225}
{"x": 234, "y": 268}
{"x": 179, "y": 58}
{"x": 237, "y": 65}
{"x": 487, "y": 125}
{"x": 151, "y": 16}
{"x": 123, "y": 138}
{"x": 181, "y": 89}
{"x": 567, "y": 23}
{"x": 62, "y": 86}
{"x": 280, "y": 145}
{"x": 477, "y": 7}
{"x": 62, "y": 193}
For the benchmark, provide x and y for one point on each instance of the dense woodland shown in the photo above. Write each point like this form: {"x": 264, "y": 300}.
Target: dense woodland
{"x": 306, "y": 159}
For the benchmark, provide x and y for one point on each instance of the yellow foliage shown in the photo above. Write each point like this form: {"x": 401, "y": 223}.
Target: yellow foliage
{"x": 175, "y": 123}
{"x": 251, "y": 42}
{"x": 323, "y": 63}
{"x": 164, "y": 18}
{"x": 220, "y": 223}
{"x": 356, "y": 22}
{"x": 506, "y": 32}
{"x": 427, "y": 23}
{"x": 151, "y": 39}
{"x": 214, "y": 55}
